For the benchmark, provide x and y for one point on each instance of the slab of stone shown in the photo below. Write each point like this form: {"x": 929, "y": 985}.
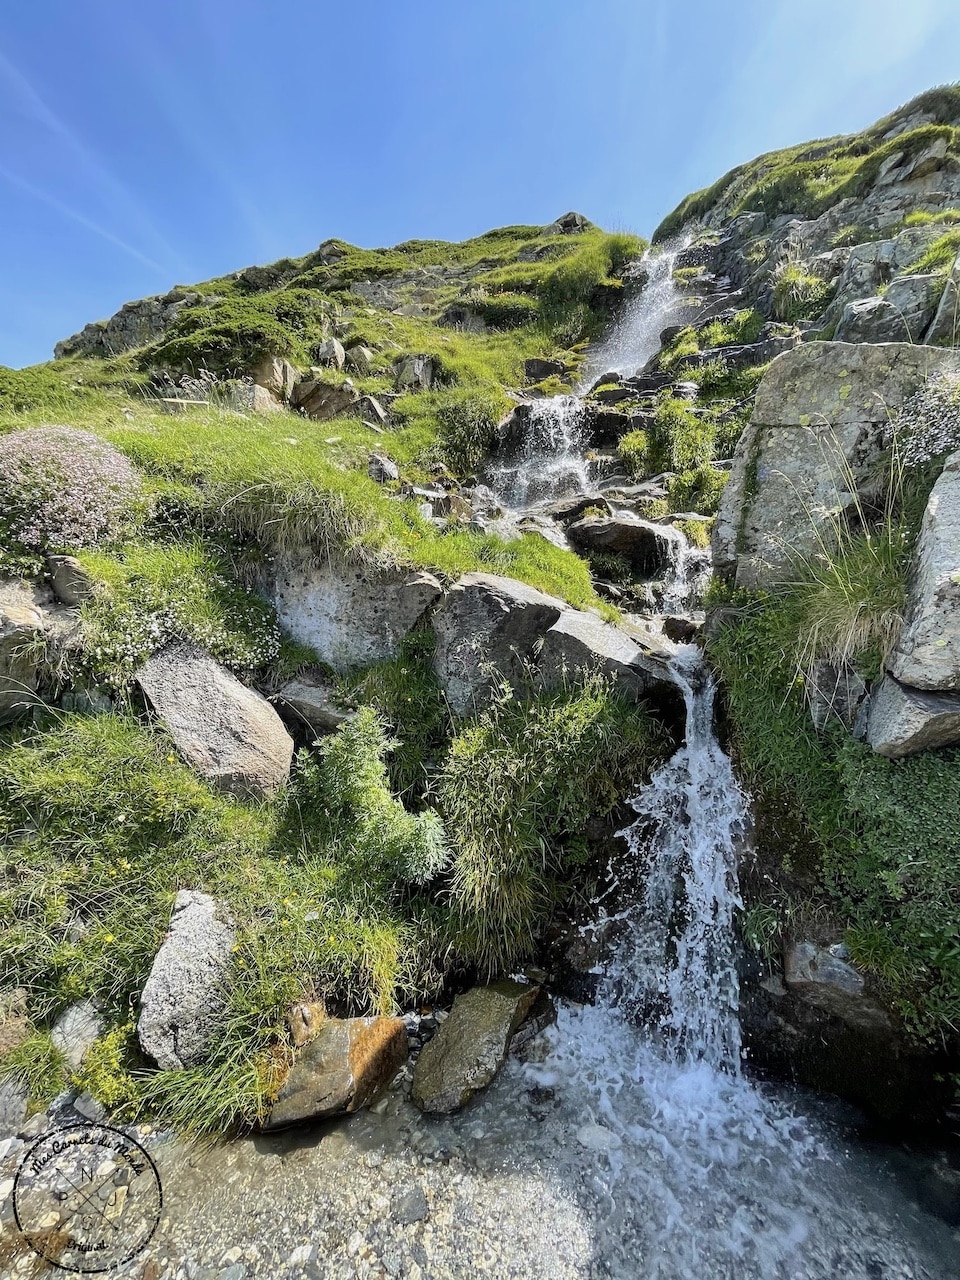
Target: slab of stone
{"x": 927, "y": 655}
{"x": 21, "y": 630}
{"x": 184, "y": 998}
{"x": 902, "y": 721}
{"x": 346, "y": 1066}
{"x": 230, "y": 734}
{"x": 580, "y": 643}
{"x": 350, "y": 615}
{"x": 320, "y": 399}
{"x": 822, "y": 978}
{"x": 471, "y": 1045}
{"x": 650, "y": 548}
{"x": 75, "y": 1031}
{"x": 309, "y": 702}
{"x": 487, "y": 627}
{"x": 70, "y": 581}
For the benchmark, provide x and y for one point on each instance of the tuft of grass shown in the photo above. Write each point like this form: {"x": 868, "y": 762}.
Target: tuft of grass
{"x": 697, "y": 490}
{"x": 923, "y": 218}
{"x": 633, "y": 450}
{"x": 680, "y": 438}
{"x": 939, "y": 256}
{"x": 797, "y": 294}
{"x": 37, "y": 1066}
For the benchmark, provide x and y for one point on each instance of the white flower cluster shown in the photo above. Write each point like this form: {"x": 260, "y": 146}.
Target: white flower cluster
{"x": 928, "y": 424}
{"x": 63, "y": 488}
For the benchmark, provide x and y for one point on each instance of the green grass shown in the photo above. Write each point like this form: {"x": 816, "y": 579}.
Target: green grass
{"x": 743, "y": 328}
{"x": 797, "y": 294}
{"x": 923, "y": 218}
{"x": 939, "y": 257}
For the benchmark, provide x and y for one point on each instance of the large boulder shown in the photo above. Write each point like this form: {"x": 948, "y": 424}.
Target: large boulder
{"x": 350, "y": 615}
{"x": 652, "y": 549}
{"x": 579, "y": 643}
{"x": 231, "y": 735}
{"x": 183, "y": 1001}
{"x": 820, "y": 424}
{"x": 902, "y": 721}
{"x": 824, "y": 978}
{"x": 927, "y": 655}
{"x": 320, "y": 399}
{"x": 276, "y": 376}
{"x": 414, "y": 373}
{"x": 471, "y": 1045}
{"x": 488, "y": 626}
{"x": 346, "y": 1066}
{"x": 331, "y": 353}
{"x": 21, "y": 636}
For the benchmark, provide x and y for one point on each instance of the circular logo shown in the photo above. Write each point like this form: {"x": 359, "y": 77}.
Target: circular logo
{"x": 87, "y": 1197}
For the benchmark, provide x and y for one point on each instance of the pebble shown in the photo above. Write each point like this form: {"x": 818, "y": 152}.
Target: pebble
{"x": 597, "y": 1138}
{"x": 35, "y": 1126}
{"x": 87, "y": 1106}
{"x": 410, "y": 1207}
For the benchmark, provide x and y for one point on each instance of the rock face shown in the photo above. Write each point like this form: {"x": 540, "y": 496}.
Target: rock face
{"x": 184, "y": 997}
{"x": 70, "y": 581}
{"x": 650, "y": 548}
{"x": 350, "y": 615}
{"x": 277, "y": 376}
{"x": 902, "y": 721}
{"x": 75, "y": 1030}
{"x": 471, "y": 1045}
{"x": 309, "y": 702}
{"x": 579, "y": 643}
{"x": 320, "y": 399}
{"x": 21, "y": 628}
{"x": 133, "y": 325}
{"x": 825, "y": 979}
{"x": 485, "y": 626}
{"x": 818, "y": 428}
{"x": 227, "y": 732}
{"x": 414, "y": 373}
{"x": 343, "y": 1068}
{"x": 927, "y": 655}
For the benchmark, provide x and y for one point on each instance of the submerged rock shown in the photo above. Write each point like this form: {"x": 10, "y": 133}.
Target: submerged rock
{"x": 346, "y": 1066}
{"x": 471, "y": 1045}
{"x": 231, "y": 735}
{"x": 183, "y": 1000}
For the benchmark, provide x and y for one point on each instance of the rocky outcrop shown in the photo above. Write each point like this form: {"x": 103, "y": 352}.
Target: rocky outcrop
{"x": 902, "y": 314}
{"x": 184, "y": 998}
{"x": 471, "y": 1045}
{"x": 350, "y": 615}
{"x": 135, "y": 324}
{"x": 650, "y": 548}
{"x": 487, "y": 627}
{"x": 309, "y": 702}
{"x": 21, "y": 636}
{"x": 945, "y": 327}
{"x": 319, "y": 398}
{"x": 346, "y": 1066}
{"x": 902, "y": 721}
{"x": 227, "y": 732}
{"x": 819, "y": 426}
{"x": 927, "y": 655}
{"x": 824, "y": 977}
{"x": 580, "y": 643}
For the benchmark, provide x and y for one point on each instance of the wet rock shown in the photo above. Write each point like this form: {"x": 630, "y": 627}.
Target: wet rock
{"x": 537, "y": 368}
{"x": 382, "y": 469}
{"x": 927, "y": 655}
{"x": 487, "y": 625}
{"x": 579, "y": 643}
{"x": 331, "y": 353}
{"x": 230, "y": 734}
{"x": 650, "y": 548}
{"x": 414, "y": 373}
{"x": 184, "y": 998}
{"x": 305, "y": 1020}
{"x": 835, "y": 693}
{"x": 471, "y": 1045}
{"x": 902, "y": 721}
{"x": 823, "y": 978}
{"x": 309, "y": 702}
{"x": 818, "y": 429}
{"x": 75, "y": 1031}
{"x": 321, "y": 400}
{"x": 70, "y": 581}
{"x": 21, "y": 634}
{"x": 346, "y": 1066}
{"x": 350, "y": 615}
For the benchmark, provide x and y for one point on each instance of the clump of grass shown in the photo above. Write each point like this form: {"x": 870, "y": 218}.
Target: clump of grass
{"x": 37, "y": 1066}
{"x": 680, "y": 438}
{"x": 744, "y": 328}
{"x": 923, "y": 218}
{"x": 697, "y": 490}
{"x": 633, "y": 450}
{"x": 696, "y": 532}
{"x": 518, "y": 786}
{"x": 797, "y": 294}
{"x": 939, "y": 256}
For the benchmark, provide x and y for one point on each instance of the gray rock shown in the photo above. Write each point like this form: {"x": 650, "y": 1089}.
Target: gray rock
{"x": 834, "y": 693}
{"x": 414, "y": 373}
{"x": 358, "y": 359}
{"x": 231, "y": 735}
{"x": 581, "y": 642}
{"x": 321, "y": 400}
{"x": 70, "y": 581}
{"x": 650, "y": 548}
{"x": 410, "y": 1207}
{"x": 308, "y": 701}
{"x": 487, "y": 626}
{"x": 927, "y": 655}
{"x": 902, "y": 721}
{"x": 13, "y": 1107}
{"x": 537, "y": 368}
{"x": 184, "y": 999}
{"x": 75, "y": 1031}
{"x": 350, "y": 615}
{"x": 331, "y": 353}
{"x": 86, "y": 1105}
{"x": 382, "y": 469}
{"x": 370, "y": 409}
{"x": 819, "y": 426}
{"x": 133, "y": 325}
{"x": 902, "y": 314}
{"x": 471, "y": 1045}
{"x": 945, "y": 326}
{"x": 820, "y": 977}
{"x": 346, "y": 1066}
{"x": 21, "y": 636}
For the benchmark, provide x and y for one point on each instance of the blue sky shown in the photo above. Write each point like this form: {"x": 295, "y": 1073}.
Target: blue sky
{"x": 149, "y": 144}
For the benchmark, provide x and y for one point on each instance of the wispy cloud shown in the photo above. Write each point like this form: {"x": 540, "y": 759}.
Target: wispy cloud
{"x": 29, "y": 102}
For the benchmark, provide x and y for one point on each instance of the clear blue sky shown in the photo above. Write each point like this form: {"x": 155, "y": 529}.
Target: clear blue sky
{"x": 155, "y": 142}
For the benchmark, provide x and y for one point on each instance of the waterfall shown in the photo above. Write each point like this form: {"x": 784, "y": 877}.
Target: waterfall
{"x": 676, "y": 956}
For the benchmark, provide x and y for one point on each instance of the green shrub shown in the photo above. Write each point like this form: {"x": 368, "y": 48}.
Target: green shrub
{"x": 467, "y": 423}
{"x": 516, "y": 791}
{"x": 697, "y": 490}
{"x": 742, "y": 329}
{"x": 633, "y": 450}
{"x": 507, "y": 310}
